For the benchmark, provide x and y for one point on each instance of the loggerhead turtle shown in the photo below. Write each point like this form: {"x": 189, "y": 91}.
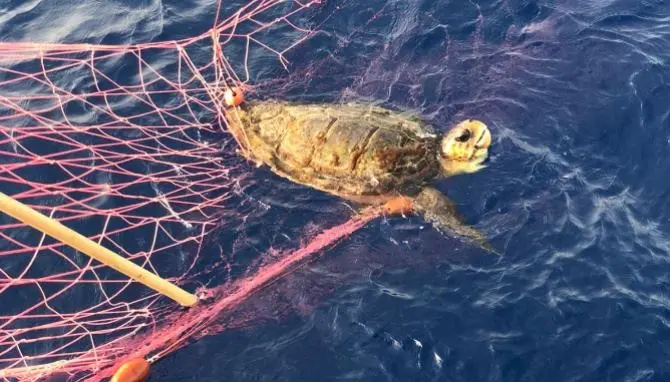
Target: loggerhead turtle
{"x": 364, "y": 154}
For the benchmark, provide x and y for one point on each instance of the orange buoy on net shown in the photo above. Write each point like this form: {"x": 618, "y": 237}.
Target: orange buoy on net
{"x": 134, "y": 370}
{"x": 233, "y": 96}
{"x": 398, "y": 206}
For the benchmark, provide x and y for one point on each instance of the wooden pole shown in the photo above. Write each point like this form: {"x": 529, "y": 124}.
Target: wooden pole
{"x": 55, "y": 229}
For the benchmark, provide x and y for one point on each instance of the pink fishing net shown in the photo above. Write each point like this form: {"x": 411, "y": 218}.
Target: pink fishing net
{"x": 127, "y": 145}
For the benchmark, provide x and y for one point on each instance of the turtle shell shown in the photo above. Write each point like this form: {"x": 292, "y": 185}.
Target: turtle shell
{"x": 350, "y": 150}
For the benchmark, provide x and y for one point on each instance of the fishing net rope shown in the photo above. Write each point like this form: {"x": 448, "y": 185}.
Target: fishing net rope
{"x": 123, "y": 144}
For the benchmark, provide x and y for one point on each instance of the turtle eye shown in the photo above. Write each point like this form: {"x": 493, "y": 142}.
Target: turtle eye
{"x": 464, "y": 136}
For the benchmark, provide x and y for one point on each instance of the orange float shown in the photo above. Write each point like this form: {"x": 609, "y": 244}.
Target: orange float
{"x": 135, "y": 370}
{"x": 398, "y": 206}
{"x": 233, "y": 97}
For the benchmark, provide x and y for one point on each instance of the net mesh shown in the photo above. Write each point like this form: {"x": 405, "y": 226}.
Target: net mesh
{"x": 125, "y": 144}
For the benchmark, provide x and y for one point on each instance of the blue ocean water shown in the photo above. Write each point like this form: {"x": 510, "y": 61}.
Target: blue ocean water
{"x": 576, "y": 93}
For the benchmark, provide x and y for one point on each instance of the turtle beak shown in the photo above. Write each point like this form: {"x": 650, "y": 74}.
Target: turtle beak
{"x": 481, "y": 141}
{"x": 484, "y": 140}
{"x": 484, "y": 143}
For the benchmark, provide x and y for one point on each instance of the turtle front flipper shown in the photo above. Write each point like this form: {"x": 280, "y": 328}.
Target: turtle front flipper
{"x": 437, "y": 209}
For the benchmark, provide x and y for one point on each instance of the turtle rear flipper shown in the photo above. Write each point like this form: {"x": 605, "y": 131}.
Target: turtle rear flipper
{"x": 441, "y": 212}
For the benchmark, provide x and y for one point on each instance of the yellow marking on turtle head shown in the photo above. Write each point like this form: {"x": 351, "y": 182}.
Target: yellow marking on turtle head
{"x": 465, "y": 147}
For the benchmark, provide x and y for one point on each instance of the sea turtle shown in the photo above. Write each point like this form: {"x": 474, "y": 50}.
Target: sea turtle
{"x": 364, "y": 153}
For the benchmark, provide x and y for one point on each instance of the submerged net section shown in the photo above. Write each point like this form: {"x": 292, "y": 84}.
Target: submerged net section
{"x": 127, "y": 145}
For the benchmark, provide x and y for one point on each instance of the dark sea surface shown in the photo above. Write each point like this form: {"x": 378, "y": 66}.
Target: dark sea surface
{"x": 577, "y": 94}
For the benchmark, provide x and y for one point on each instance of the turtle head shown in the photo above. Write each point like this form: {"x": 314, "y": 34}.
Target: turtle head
{"x": 465, "y": 147}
